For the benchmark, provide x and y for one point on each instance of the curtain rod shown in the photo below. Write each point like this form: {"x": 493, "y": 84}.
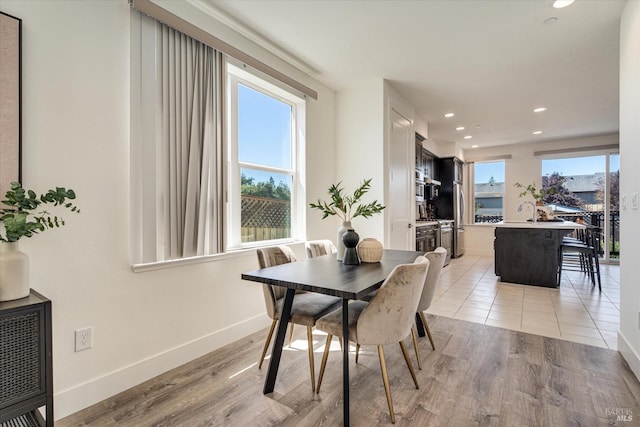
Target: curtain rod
{"x": 578, "y": 149}
{"x": 160, "y": 14}
{"x": 487, "y": 158}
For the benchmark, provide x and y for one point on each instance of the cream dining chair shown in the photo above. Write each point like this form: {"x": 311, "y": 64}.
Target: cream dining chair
{"x": 386, "y": 319}
{"x": 307, "y": 307}
{"x": 436, "y": 263}
{"x": 320, "y": 247}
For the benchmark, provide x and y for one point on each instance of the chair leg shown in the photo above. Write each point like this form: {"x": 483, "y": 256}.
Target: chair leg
{"x": 409, "y": 365}
{"x": 415, "y": 347}
{"x": 426, "y": 328}
{"x": 357, "y": 351}
{"x": 598, "y": 272}
{"x": 385, "y": 380}
{"x": 323, "y": 364}
{"x": 312, "y": 363}
{"x": 266, "y": 343}
{"x": 560, "y": 258}
{"x": 291, "y": 333}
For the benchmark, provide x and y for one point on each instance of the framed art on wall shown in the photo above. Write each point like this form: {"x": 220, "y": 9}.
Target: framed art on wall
{"x": 10, "y": 101}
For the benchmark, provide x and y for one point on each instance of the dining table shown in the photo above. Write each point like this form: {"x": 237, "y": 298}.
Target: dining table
{"x": 326, "y": 275}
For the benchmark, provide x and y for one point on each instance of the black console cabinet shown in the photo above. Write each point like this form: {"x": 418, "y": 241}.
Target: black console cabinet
{"x": 26, "y": 379}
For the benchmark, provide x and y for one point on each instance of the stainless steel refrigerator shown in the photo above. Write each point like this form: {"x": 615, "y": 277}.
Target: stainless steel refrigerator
{"x": 450, "y": 203}
{"x": 458, "y": 215}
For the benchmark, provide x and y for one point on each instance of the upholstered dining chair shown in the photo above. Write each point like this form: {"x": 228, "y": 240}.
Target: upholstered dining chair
{"x": 436, "y": 263}
{"x": 320, "y": 247}
{"x": 386, "y": 319}
{"x": 307, "y": 307}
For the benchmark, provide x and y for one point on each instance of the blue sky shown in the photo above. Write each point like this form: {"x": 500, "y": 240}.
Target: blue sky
{"x": 264, "y": 129}
{"x": 567, "y": 167}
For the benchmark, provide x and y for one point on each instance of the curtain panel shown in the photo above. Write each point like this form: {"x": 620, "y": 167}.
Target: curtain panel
{"x": 188, "y": 119}
{"x": 176, "y": 145}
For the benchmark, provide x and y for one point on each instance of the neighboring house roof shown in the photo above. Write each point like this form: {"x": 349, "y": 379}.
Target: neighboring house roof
{"x": 564, "y": 209}
{"x": 574, "y": 183}
{"x": 489, "y": 190}
{"x": 583, "y": 183}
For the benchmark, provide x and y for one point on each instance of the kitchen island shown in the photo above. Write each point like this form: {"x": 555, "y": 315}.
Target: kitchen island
{"x": 527, "y": 252}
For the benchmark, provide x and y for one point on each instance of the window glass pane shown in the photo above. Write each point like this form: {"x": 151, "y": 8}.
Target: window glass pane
{"x": 614, "y": 206}
{"x": 488, "y": 191}
{"x": 575, "y": 186}
{"x": 265, "y": 205}
{"x": 264, "y": 129}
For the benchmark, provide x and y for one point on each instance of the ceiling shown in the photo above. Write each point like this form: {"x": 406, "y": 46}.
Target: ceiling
{"x": 490, "y": 62}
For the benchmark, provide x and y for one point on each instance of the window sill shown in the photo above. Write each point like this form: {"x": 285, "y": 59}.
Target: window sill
{"x": 233, "y": 253}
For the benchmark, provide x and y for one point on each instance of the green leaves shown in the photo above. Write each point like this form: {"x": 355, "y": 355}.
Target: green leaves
{"x": 19, "y": 214}
{"x": 342, "y": 205}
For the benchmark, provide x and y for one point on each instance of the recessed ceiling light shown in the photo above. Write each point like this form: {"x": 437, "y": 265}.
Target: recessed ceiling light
{"x": 468, "y": 137}
{"x": 539, "y": 109}
{"x": 449, "y": 115}
{"x": 559, "y": 4}
{"x": 460, "y": 128}
{"x": 550, "y": 21}
{"x": 537, "y": 132}
{"x": 475, "y": 146}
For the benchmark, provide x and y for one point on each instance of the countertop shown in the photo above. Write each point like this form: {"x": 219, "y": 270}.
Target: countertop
{"x": 540, "y": 224}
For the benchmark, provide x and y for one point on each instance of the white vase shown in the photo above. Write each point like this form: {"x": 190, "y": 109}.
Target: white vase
{"x": 14, "y": 272}
{"x": 339, "y": 243}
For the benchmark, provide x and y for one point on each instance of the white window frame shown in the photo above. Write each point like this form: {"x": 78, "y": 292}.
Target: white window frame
{"x": 238, "y": 73}
{"x": 472, "y": 186}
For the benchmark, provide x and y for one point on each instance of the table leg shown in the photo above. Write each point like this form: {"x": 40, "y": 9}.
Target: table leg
{"x": 276, "y": 351}
{"x": 345, "y": 360}
{"x": 420, "y": 326}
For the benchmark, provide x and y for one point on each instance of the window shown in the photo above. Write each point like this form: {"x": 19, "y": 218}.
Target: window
{"x": 488, "y": 191}
{"x": 587, "y": 187}
{"x": 265, "y": 124}
{"x": 191, "y": 171}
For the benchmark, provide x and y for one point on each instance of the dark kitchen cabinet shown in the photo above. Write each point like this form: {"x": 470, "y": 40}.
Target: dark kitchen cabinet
{"x": 26, "y": 380}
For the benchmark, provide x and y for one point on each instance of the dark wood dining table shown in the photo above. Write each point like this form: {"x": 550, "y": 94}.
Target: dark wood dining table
{"x": 326, "y": 275}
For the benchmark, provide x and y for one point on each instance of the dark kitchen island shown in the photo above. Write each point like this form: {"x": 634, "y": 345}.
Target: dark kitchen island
{"x": 527, "y": 252}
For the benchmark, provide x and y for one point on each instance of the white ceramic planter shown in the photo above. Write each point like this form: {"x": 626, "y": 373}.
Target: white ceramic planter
{"x": 339, "y": 243}
{"x": 14, "y": 272}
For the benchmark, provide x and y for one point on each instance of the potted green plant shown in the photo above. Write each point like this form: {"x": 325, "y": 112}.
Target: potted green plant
{"x": 22, "y": 215}
{"x": 537, "y": 194}
{"x": 347, "y": 207}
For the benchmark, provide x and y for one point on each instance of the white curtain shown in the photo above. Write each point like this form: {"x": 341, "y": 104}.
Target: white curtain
{"x": 187, "y": 131}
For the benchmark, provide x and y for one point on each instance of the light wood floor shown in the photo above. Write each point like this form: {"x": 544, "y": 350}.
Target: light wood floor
{"x": 478, "y": 375}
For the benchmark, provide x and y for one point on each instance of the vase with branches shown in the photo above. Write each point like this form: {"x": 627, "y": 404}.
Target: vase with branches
{"x": 22, "y": 214}
{"x": 346, "y": 207}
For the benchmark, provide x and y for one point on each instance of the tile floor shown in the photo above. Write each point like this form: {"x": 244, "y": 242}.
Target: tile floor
{"x": 469, "y": 290}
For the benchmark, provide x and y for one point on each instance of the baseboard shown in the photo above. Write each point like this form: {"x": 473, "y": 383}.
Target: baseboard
{"x": 98, "y": 389}
{"x": 629, "y": 354}
{"x": 478, "y": 251}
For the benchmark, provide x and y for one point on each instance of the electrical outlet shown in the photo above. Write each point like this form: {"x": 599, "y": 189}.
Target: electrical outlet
{"x": 623, "y": 202}
{"x": 635, "y": 201}
{"x": 84, "y": 339}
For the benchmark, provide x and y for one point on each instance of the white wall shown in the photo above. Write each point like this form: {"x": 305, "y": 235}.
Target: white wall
{"x": 629, "y": 334}
{"x": 76, "y": 134}
{"x": 360, "y": 149}
{"x": 523, "y": 167}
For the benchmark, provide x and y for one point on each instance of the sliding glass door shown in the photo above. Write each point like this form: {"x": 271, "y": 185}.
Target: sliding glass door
{"x": 586, "y": 189}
